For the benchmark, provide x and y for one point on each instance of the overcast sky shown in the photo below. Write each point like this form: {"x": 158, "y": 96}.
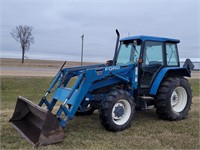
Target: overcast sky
{"x": 59, "y": 24}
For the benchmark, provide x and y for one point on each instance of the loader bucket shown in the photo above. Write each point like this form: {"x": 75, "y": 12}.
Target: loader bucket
{"x": 36, "y": 124}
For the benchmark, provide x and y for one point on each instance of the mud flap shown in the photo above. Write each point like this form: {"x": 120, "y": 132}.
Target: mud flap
{"x": 36, "y": 124}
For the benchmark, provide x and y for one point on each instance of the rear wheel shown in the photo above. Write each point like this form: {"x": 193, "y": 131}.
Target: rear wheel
{"x": 117, "y": 110}
{"x": 174, "y": 99}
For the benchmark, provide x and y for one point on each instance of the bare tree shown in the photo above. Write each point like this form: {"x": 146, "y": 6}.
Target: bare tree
{"x": 23, "y": 35}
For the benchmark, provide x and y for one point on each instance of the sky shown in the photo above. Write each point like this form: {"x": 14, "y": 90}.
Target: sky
{"x": 59, "y": 24}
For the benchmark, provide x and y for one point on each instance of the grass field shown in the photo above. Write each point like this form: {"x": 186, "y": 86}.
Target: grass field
{"x": 85, "y": 132}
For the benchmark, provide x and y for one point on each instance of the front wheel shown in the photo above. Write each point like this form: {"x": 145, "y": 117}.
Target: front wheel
{"x": 174, "y": 99}
{"x": 117, "y": 110}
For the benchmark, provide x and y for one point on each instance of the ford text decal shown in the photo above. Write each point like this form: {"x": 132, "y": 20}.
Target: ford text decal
{"x": 111, "y": 68}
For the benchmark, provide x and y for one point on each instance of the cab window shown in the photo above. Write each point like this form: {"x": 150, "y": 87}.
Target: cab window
{"x": 172, "y": 55}
{"x": 124, "y": 54}
{"x": 128, "y": 53}
{"x": 153, "y": 53}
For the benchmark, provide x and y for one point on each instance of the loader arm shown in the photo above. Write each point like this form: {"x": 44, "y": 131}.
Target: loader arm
{"x": 89, "y": 78}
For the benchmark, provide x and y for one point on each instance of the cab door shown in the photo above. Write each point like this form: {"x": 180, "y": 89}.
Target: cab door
{"x": 152, "y": 62}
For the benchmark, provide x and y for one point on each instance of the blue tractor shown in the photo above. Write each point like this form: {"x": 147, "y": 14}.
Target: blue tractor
{"x": 144, "y": 72}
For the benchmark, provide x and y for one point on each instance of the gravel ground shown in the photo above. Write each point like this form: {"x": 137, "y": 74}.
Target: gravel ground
{"x": 42, "y": 68}
{"x": 195, "y": 74}
{"x": 13, "y": 67}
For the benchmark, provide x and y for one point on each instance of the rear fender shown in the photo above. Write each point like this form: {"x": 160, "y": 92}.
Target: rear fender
{"x": 167, "y": 71}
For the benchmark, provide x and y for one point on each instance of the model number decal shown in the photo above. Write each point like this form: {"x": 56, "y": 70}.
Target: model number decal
{"x": 111, "y": 68}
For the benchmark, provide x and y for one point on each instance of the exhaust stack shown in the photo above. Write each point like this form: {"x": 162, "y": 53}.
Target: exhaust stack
{"x": 116, "y": 47}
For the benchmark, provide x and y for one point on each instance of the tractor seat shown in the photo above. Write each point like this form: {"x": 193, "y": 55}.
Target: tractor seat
{"x": 151, "y": 68}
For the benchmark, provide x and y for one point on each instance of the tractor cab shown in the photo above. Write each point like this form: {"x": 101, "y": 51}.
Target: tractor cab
{"x": 150, "y": 54}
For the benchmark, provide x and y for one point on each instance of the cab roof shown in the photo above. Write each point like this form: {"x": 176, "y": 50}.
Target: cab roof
{"x": 150, "y": 38}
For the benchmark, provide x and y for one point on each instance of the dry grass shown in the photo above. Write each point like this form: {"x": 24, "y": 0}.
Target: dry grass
{"x": 5, "y": 62}
{"x": 39, "y": 68}
{"x": 85, "y": 132}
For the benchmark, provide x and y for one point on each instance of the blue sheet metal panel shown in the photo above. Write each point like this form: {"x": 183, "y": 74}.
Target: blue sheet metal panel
{"x": 61, "y": 93}
{"x": 100, "y": 73}
{"x": 103, "y": 83}
{"x": 134, "y": 75}
{"x": 79, "y": 95}
{"x": 180, "y": 72}
{"x": 151, "y": 38}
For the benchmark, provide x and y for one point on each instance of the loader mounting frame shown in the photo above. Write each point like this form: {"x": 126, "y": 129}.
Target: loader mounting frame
{"x": 89, "y": 78}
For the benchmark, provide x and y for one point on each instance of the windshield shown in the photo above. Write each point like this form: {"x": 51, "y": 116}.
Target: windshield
{"x": 128, "y": 53}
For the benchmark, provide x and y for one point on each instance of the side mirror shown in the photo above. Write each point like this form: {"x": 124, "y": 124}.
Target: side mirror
{"x": 188, "y": 64}
{"x": 109, "y": 63}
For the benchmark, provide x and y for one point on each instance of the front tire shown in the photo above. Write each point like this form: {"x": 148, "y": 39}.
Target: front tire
{"x": 117, "y": 110}
{"x": 174, "y": 99}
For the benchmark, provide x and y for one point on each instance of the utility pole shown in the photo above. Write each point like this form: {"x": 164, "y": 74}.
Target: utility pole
{"x": 82, "y": 50}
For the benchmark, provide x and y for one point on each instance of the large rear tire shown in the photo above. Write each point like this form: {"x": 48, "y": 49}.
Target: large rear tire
{"x": 117, "y": 110}
{"x": 174, "y": 99}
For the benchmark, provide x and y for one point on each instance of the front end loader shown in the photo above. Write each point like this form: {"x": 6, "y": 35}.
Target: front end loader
{"x": 145, "y": 71}
{"x": 39, "y": 126}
